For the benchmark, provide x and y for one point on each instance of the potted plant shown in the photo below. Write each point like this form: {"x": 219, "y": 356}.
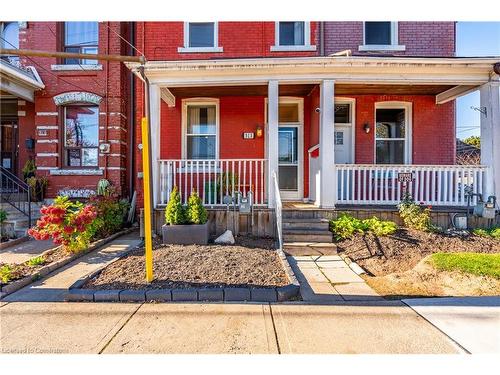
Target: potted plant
{"x": 185, "y": 226}
{"x": 29, "y": 169}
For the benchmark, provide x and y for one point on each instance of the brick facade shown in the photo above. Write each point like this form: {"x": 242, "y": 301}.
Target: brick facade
{"x": 110, "y": 83}
{"x": 419, "y": 38}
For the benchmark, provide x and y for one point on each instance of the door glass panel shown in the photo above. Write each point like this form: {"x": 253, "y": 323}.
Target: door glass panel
{"x": 342, "y": 115}
{"x": 288, "y": 158}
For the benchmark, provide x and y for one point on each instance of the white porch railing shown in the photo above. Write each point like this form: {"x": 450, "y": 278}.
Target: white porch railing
{"x": 431, "y": 184}
{"x": 214, "y": 179}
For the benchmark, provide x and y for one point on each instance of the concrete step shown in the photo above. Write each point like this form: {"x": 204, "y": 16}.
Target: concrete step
{"x": 309, "y": 248}
{"x": 305, "y": 214}
{"x": 306, "y": 224}
{"x": 307, "y": 237}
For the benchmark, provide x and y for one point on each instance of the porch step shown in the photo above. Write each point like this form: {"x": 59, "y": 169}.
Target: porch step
{"x": 290, "y": 235}
{"x": 304, "y": 225}
{"x": 309, "y": 248}
{"x": 306, "y": 214}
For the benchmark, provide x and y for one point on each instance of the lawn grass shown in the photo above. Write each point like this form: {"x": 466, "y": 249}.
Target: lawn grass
{"x": 474, "y": 263}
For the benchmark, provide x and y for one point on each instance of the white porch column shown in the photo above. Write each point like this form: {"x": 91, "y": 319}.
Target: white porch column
{"x": 328, "y": 174}
{"x": 490, "y": 136}
{"x": 272, "y": 138}
{"x": 155, "y": 98}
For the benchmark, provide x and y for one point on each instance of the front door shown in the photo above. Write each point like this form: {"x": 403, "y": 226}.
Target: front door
{"x": 8, "y": 141}
{"x": 290, "y": 146}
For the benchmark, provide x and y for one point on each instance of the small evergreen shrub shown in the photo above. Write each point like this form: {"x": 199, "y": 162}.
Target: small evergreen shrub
{"x": 346, "y": 226}
{"x": 493, "y": 232}
{"x": 196, "y": 212}
{"x": 3, "y": 215}
{"x": 175, "y": 213}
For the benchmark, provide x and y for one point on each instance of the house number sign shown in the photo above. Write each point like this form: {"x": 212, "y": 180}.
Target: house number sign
{"x": 405, "y": 177}
{"x": 249, "y": 135}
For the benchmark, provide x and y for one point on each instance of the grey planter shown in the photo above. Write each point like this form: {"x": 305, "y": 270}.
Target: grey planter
{"x": 185, "y": 234}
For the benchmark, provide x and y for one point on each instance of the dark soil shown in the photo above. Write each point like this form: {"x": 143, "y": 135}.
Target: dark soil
{"x": 403, "y": 250}
{"x": 250, "y": 262}
{"x": 22, "y": 270}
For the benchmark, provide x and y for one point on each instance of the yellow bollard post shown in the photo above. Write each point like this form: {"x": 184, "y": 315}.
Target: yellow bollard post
{"x": 147, "y": 200}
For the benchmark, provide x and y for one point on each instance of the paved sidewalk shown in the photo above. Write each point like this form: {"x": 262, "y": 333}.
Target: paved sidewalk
{"x": 24, "y": 251}
{"x": 473, "y": 322}
{"x": 54, "y": 287}
{"x": 328, "y": 279}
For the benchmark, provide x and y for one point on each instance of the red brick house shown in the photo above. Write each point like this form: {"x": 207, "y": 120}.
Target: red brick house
{"x": 233, "y": 103}
{"x": 337, "y": 110}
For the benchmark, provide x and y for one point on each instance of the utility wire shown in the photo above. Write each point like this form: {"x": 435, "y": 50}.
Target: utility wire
{"x": 125, "y": 40}
{"x": 46, "y": 70}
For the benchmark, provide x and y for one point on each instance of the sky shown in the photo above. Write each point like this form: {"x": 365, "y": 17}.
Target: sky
{"x": 474, "y": 39}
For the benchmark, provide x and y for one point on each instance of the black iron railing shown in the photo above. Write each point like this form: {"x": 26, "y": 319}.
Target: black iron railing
{"x": 15, "y": 192}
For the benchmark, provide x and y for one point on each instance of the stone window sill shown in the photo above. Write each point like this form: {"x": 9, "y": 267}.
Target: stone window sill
{"x": 199, "y": 49}
{"x": 292, "y": 48}
{"x": 374, "y": 47}
{"x": 75, "y": 67}
{"x": 76, "y": 172}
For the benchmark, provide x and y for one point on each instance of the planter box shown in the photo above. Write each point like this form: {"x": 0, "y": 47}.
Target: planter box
{"x": 185, "y": 234}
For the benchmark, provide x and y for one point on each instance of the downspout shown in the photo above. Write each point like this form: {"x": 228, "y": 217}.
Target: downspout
{"x": 322, "y": 38}
{"x": 106, "y": 131}
{"x": 131, "y": 116}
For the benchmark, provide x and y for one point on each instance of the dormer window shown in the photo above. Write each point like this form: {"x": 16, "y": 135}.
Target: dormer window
{"x": 201, "y": 37}
{"x": 293, "y": 36}
{"x": 380, "y": 36}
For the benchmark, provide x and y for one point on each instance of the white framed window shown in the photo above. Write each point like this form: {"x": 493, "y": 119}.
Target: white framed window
{"x": 292, "y": 36}
{"x": 200, "y": 129}
{"x": 201, "y": 37}
{"x": 393, "y": 129}
{"x": 381, "y": 36}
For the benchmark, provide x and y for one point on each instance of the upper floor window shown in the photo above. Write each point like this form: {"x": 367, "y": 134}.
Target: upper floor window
{"x": 380, "y": 36}
{"x": 293, "y": 36}
{"x": 201, "y": 37}
{"x": 81, "y": 37}
{"x": 10, "y": 38}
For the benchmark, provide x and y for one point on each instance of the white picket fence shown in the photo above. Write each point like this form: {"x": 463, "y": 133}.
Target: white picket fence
{"x": 214, "y": 179}
{"x": 441, "y": 185}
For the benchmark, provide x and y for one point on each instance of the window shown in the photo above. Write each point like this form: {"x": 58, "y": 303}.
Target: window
{"x": 293, "y": 36}
{"x": 200, "y": 37}
{"x": 201, "y": 131}
{"x": 81, "y": 37}
{"x": 380, "y": 36}
{"x": 81, "y": 135}
{"x": 391, "y": 134}
{"x": 10, "y": 39}
{"x": 343, "y": 114}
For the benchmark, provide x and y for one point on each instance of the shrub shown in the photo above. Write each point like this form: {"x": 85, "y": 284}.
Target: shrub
{"x": 493, "y": 232}
{"x": 71, "y": 224}
{"x": 36, "y": 261}
{"x": 415, "y": 216}
{"x": 346, "y": 226}
{"x": 6, "y": 273}
{"x": 29, "y": 169}
{"x": 174, "y": 214}
{"x": 111, "y": 213}
{"x": 3, "y": 215}
{"x": 103, "y": 187}
{"x": 196, "y": 213}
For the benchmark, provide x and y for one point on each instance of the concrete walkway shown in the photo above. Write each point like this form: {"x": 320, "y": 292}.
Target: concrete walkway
{"x": 54, "y": 287}
{"x": 473, "y": 322}
{"x": 328, "y": 279}
{"x": 24, "y": 251}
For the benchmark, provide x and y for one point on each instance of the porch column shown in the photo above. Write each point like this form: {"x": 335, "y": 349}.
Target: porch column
{"x": 272, "y": 139}
{"x": 490, "y": 136}
{"x": 328, "y": 174}
{"x": 155, "y": 97}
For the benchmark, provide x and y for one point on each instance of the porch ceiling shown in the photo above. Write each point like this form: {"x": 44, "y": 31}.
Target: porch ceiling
{"x": 247, "y": 90}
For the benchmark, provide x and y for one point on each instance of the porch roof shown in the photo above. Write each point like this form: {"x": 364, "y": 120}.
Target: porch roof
{"x": 18, "y": 80}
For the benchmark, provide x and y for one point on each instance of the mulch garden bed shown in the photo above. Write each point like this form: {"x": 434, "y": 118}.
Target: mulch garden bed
{"x": 251, "y": 262}
{"x": 398, "y": 265}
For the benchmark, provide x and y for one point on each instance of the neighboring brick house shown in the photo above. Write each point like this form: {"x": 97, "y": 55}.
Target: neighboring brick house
{"x": 232, "y": 103}
{"x": 79, "y": 121}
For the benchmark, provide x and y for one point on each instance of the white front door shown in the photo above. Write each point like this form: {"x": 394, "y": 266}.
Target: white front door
{"x": 343, "y": 144}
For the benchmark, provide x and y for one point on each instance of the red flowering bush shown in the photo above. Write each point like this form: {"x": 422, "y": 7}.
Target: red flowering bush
{"x": 71, "y": 224}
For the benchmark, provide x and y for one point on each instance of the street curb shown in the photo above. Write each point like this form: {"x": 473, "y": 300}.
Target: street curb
{"x": 14, "y": 242}
{"x": 202, "y": 294}
{"x": 45, "y": 270}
